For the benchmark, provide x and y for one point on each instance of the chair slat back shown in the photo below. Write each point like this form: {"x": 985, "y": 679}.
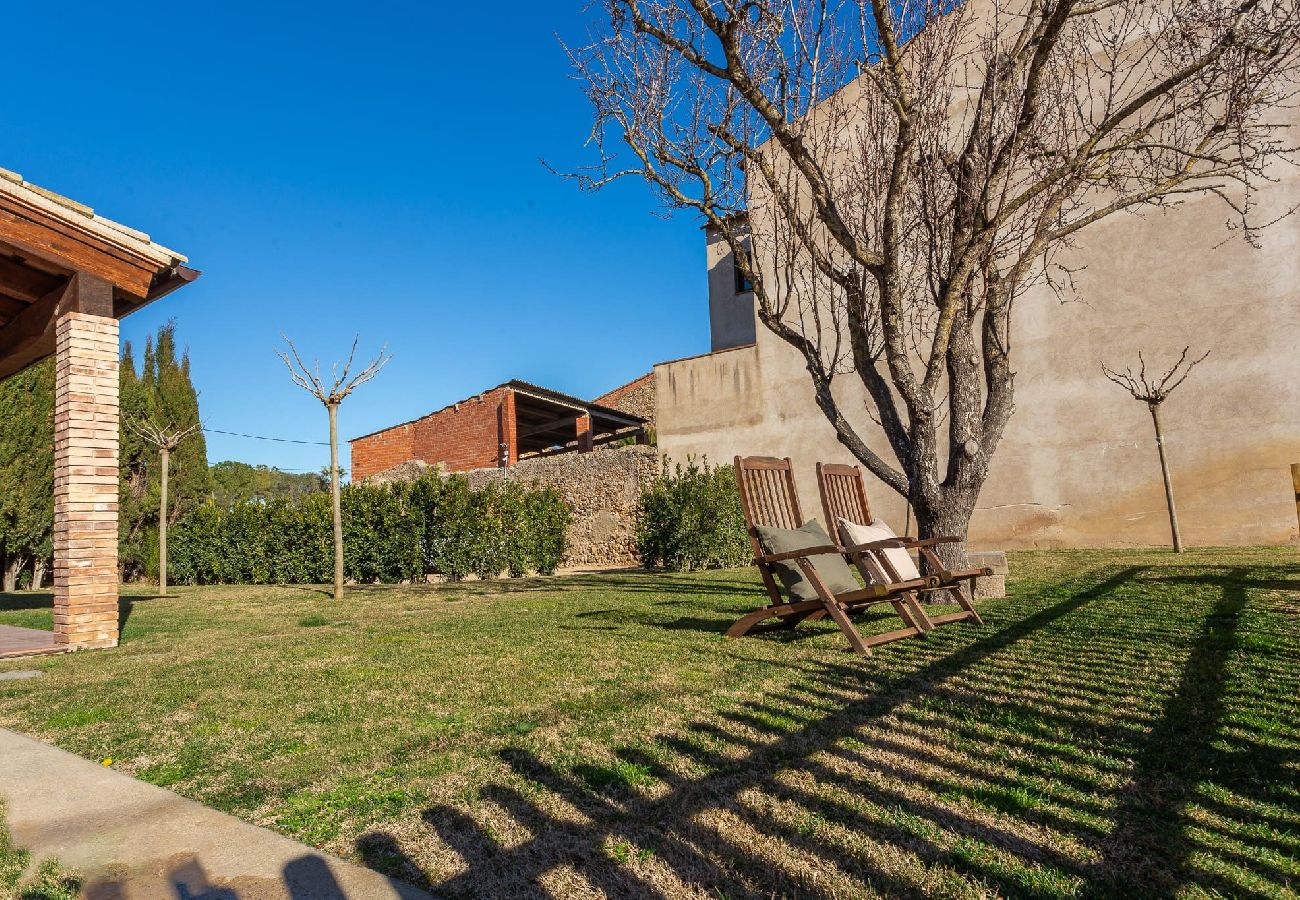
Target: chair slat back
{"x": 768, "y": 497}
{"x": 767, "y": 494}
{"x": 844, "y": 495}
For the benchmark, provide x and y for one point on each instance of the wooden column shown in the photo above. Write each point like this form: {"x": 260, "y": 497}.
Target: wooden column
{"x": 585, "y": 444}
{"x": 86, "y": 472}
{"x": 507, "y": 432}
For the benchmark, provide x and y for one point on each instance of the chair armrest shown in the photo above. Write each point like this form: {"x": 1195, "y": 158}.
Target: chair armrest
{"x": 947, "y": 576}
{"x": 796, "y": 554}
{"x": 887, "y": 591}
{"x": 930, "y": 542}
{"x": 886, "y": 544}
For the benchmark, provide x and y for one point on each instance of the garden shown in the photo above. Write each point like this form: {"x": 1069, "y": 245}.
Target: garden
{"x": 1124, "y": 724}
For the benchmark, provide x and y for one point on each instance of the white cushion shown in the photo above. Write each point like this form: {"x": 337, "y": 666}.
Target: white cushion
{"x": 853, "y": 534}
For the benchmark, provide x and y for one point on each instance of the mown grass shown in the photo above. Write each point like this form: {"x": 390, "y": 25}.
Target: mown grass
{"x": 1126, "y": 724}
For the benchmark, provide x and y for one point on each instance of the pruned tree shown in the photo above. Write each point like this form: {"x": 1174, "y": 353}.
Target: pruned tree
{"x": 164, "y": 438}
{"x": 332, "y": 391}
{"x": 1153, "y": 392}
{"x": 909, "y": 169}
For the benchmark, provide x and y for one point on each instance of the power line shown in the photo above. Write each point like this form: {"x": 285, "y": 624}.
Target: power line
{"x": 260, "y": 437}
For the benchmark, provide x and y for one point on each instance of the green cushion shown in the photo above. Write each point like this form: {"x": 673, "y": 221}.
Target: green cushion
{"x": 831, "y": 567}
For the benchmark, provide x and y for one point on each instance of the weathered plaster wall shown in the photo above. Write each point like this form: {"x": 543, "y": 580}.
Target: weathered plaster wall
{"x": 1077, "y": 466}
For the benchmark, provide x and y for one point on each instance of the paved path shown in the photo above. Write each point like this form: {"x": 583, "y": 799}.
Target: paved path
{"x": 15, "y": 641}
{"x": 132, "y": 841}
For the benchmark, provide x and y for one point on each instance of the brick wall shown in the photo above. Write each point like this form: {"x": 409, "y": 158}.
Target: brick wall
{"x": 464, "y": 436}
{"x": 635, "y": 397}
{"x": 384, "y": 450}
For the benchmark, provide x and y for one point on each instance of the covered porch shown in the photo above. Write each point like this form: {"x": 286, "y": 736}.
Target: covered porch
{"x": 540, "y": 422}
{"x": 67, "y": 276}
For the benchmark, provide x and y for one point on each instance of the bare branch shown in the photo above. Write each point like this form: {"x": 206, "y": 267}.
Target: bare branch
{"x": 1154, "y": 391}
{"x": 342, "y": 383}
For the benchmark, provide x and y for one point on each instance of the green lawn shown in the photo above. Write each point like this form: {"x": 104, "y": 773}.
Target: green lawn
{"x": 1124, "y": 724}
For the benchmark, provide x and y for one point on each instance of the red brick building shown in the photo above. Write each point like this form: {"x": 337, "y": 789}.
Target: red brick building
{"x": 498, "y": 427}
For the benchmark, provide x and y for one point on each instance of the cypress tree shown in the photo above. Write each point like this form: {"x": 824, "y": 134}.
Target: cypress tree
{"x": 26, "y": 471}
{"x": 161, "y": 389}
{"x": 162, "y": 393}
{"x": 177, "y": 408}
{"x": 134, "y": 509}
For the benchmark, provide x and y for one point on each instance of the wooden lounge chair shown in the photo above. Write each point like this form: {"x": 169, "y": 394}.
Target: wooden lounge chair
{"x": 844, "y": 496}
{"x": 769, "y": 498}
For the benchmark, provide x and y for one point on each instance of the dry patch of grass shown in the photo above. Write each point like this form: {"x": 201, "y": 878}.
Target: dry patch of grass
{"x": 1125, "y": 724}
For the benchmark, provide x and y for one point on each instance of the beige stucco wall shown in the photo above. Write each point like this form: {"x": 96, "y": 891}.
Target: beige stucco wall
{"x": 1077, "y": 466}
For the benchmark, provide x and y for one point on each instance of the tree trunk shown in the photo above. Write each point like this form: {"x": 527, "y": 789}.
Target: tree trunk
{"x": 39, "y": 568}
{"x": 336, "y": 500}
{"x": 13, "y": 565}
{"x": 947, "y": 517}
{"x": 1169, "y": 485}
{"x": 162, "y": 522}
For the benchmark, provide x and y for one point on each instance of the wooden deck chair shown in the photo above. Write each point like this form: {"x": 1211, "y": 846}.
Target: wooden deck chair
{"x": 769, "y": 498}
{"x": 844, "y": 496}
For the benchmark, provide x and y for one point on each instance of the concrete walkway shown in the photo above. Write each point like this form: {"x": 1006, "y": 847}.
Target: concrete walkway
{"x": 132, "y": 841}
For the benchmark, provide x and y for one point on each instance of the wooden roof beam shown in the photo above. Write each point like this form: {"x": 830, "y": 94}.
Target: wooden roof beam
{"x": 29, "y": 336}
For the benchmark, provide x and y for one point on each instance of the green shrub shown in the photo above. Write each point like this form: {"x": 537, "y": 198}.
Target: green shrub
{"x": 548, "y": 524}
{"x": 690, "y": 518}
{"x": 391, "y": 534}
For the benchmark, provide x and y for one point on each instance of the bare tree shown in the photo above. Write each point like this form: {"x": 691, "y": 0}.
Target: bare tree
{"x": 166, "y": 438}
{"x": 1153, "y": 392}
{"x": 331, "y": 392}
{"x": 893, "y": 176}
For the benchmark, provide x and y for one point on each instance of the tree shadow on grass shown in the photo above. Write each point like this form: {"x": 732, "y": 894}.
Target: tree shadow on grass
{"x": 678, "y": 832}
{"x": 26, "y": 600}
{"x": 1193, "y": 753}
{"x": 978, "y": 758}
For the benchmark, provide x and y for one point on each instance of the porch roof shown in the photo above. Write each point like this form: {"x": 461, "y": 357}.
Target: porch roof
{"x": 48, "y": 244}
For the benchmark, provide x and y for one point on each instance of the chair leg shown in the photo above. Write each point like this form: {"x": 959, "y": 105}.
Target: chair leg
{"x": 965, "y": 604}
{"x": 856, "y": 644}
{"x": 919, "y": 614}
{"x": 905, "y": 613}
{"x": 795, "y": 611}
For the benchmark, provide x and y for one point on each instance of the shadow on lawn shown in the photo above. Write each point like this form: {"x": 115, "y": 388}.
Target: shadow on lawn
{"x": 614, "y": 823}
{"x": 26, "y": 600}
{"x": 1192, "y": 757}
{"x": 797, "y": 751}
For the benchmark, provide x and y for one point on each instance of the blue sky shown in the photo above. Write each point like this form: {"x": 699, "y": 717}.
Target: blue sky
{"x": 338, "y": 169}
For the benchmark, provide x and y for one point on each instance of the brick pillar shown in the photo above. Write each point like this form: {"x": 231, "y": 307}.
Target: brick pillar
{"x": 85, "y": 481}
{"x": 584, "y": 433}
{"x": 507, "y": 432}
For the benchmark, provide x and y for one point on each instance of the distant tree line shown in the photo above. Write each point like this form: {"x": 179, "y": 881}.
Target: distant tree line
{"x": 238, "y": 482}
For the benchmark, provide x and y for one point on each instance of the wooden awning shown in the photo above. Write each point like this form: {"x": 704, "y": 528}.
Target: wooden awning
{"x": 57, "y": 256}
{"x": 545, "y": 420}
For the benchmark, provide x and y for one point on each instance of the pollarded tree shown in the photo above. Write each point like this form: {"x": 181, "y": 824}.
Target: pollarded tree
{"x": 331, "y": 390}
{"x": 911, "y": 168}
{"x": 1154, "y": 391}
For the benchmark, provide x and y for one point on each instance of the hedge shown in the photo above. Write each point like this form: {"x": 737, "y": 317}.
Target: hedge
{"x": 689, "y": 517}
{"x": 391, "y": 533}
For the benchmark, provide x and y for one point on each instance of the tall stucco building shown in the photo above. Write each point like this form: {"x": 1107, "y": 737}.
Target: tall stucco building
{"x": 1077, "y": 466}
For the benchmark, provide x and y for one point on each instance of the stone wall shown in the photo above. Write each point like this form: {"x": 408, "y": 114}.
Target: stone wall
{"x": 636, "y": 398}
{"x": 601, "y": 489}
